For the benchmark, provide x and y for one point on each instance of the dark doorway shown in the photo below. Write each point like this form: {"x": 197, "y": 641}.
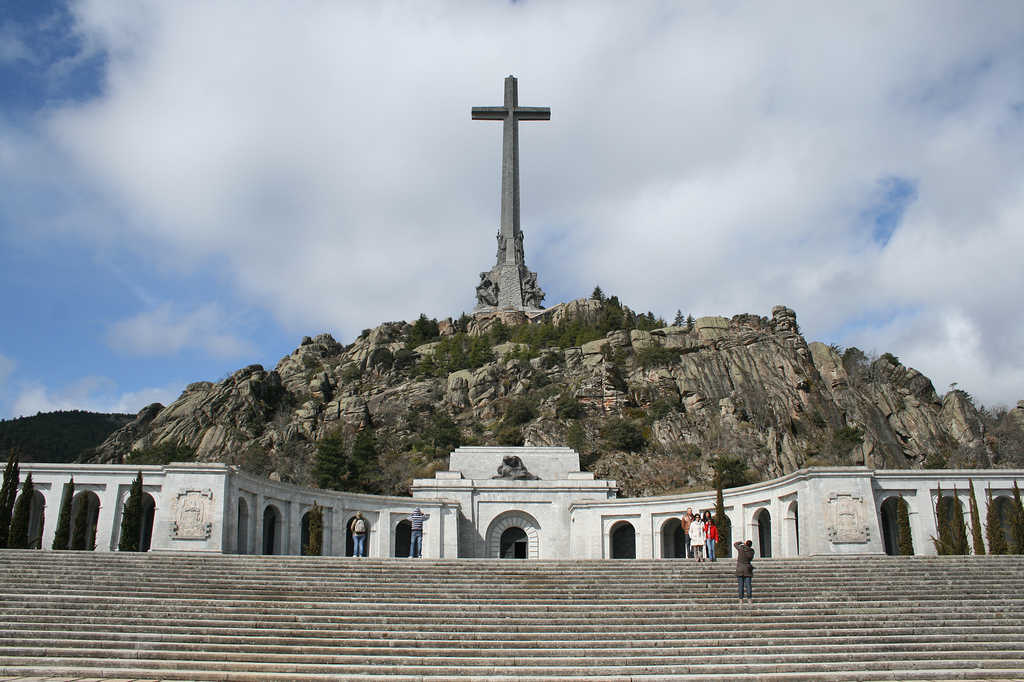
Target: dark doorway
{"x": 673, "y": 546}
{"x": 242, "y": 541}
{"x": 764, "y": 532}
{"x": 85, "y": 514}
{"x": 148, "y": 516}
{"x": 623, "y": 541}
{"x": 514, "y": 544}
{"x": 271, "y": 530}
{"x": 890, "y": 531}
{"x": 304, "y": 534}
{"x": 403, "y": 536}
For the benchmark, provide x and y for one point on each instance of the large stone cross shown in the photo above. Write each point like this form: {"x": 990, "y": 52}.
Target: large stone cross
{"x": 509, "y": 285}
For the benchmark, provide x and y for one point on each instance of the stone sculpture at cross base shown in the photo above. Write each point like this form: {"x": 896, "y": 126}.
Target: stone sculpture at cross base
{"x": 509, "y": 285}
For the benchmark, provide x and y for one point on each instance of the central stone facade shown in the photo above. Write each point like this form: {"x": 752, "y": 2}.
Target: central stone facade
{"x": 509, "y": 285}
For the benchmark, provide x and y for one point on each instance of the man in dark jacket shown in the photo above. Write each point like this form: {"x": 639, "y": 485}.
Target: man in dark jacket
{"x": 744, "y": 569}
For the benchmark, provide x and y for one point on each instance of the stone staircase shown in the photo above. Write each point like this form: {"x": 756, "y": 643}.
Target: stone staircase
{"x": 223, "y": 617}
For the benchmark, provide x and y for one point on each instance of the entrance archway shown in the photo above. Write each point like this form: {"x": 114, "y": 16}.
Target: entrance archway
{"x": 514, "y": 543}
{"x": 508, "y": 520}
{"x": 623, "y": 539}
{"x": 791, "y": 541}
{"x": 403, "y": 536}
{"x": 889, "y": 516}
{"x": 37, "y": 509}
{"x": 85, "y": 515}
{"x": 271, "y": 530}
{"x": 350, "y": 544}
{"x": 1004, "y": 512}
{"x": 672, "y": 544}
{"x": 764, "y": 532}
{"x": 304, "y": 534}
{"x": 242, "y": 539}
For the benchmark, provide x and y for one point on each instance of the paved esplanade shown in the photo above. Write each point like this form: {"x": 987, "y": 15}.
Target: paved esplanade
{"x": 509, "y": 285}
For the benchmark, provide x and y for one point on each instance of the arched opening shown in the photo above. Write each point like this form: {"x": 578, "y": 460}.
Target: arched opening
{"x": 623, "y": 539}
{"x": 947, "y": 508}
{"x": 271, "y": 530}
{"x": 1004, "y": 512}
{"x": 723, "y": 548}
{"x": 148, "y": 517}
{"x": 672, "y": 544}
{"x": 497, "y": 538}
{"x": 85, "y": 515}
{"x": 889, "y": 516}
{"x": 403, "y": 536}
{"x": 304, "y": 534}
{"x": 764, "y": 532}
{"x": 792, "y": 526}
{"x": 242, "y": 538}
{"x": 37, "y": 510}
{"x": 514, "y": 543}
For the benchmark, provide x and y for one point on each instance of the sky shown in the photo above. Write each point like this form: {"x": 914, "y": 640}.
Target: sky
{"x": 190, "y": 187}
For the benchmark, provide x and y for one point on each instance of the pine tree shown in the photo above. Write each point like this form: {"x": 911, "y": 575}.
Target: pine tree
{"x": 363, "y": 466}
{"x": 63, "y": 535}
{"x": 943, "y": 543}
{"x": 905, "y": 540}
{"x": 314, "y": 547}
{"x": 721, "y": 522}
{"x": 331, "y": 461}
{"x": 1017, "y": 521}
{"x": 8, "y": 493}
{"x": 690, "y": 322}
{"x": 976, "y": 537}
{"x": 960, "y": 545}
{"x": 597, "y": 294}
{"x": 131, "y": 518}
{"x": 994, "y": 529}
{"x": 679, "y": 321}
{"x": 79, "y": 540}
{"x": 17, "y": 538}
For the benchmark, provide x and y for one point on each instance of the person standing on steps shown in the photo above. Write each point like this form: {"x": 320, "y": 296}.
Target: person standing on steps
{"x": 416, "y": 537}
{"x": 710, "y": 535}
{"x": 697, "y": 538}
{"x": 685, "y": 522}
{"x": 359, "y": 535}
{"x": 744, "y": 569}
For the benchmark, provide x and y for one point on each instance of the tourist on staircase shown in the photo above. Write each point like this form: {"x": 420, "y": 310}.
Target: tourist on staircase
{"x": 359, "y": 535}
{"x": 744, "y": 569}
{"x": 416, "y": 538}
{"x": 685, "y": 522}
{"x": 697, "y": 539}
{"x": 710, "y": 535}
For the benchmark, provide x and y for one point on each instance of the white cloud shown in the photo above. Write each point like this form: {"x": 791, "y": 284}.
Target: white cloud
{"x": 705, "y": 157}
{"x": 92, "y": 393}
{"x": 165, "y": 331}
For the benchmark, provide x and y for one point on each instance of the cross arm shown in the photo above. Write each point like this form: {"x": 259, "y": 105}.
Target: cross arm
{"x": 533, "y": 113}
{"x": 489, "y": 113}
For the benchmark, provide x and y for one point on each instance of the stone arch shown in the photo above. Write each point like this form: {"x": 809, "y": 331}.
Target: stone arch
{"x": 85, "y": 537}
{"x": 403, "y": 536}
{"x": 513, "y": 519}
{"x": 272, "y": 528}
{"x": 763, "y": 526}
{"x": 888, "y": 514}
{"x": 791, "y": 529}
{"x": 623, "y": 540}
{"x": 36, "y": 513}
{"x": 673, "y": 546}
{"x": 242, "y": 534}
{"x": 350, "y": 544}
{"x": 1004, "y": 505}
{"x": 303, "y": 533}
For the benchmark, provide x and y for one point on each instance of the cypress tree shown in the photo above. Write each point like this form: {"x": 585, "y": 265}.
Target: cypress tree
{"x": 63, "y": 535}
{"x": 976, "y": 538}
{"x": 994, "y": 529}
{"x": 904, "y": 538}
{"x": 78, "y": 538}
{"x": 959, "y": 528}
{"x": 1017, "y": 521}
{"x": 943, "y": 543}
{"x": 17, "y": 538}
{"x": 721, "y": 522}
{"x": 8, "y": 493}
{"x": 315, "y": 545}
{"x": 131, "y": 518}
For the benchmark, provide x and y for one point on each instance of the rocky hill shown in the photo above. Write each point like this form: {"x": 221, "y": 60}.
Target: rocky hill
{"x": 647, "y": 404}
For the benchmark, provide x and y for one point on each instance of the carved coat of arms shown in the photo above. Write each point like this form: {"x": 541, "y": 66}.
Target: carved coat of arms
{"x": 192, "y": 515}
{"x": 846, "y": 518}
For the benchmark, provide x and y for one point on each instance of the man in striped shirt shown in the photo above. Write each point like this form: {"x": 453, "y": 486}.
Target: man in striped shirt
{"x": 416, "y": 540}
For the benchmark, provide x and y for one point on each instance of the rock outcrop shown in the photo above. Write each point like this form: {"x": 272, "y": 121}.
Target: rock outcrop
{"x": 749, "y": 386}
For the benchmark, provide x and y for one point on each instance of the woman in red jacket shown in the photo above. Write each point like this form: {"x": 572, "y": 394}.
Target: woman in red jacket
{"x": 710, "y": 535}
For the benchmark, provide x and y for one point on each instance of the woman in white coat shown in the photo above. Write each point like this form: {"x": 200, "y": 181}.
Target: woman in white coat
{"x": 697, "y": 538}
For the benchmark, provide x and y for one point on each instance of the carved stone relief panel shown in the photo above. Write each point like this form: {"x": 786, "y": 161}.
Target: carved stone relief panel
{"x": 193, "y": 510}
{"x": 846, "y": 518}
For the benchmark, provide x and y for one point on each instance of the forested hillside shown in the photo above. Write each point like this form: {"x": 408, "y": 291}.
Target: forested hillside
{"x": 57, "y": 436}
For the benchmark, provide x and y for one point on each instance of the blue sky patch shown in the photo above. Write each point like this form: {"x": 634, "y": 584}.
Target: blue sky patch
{"x": 892, "y": 197}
